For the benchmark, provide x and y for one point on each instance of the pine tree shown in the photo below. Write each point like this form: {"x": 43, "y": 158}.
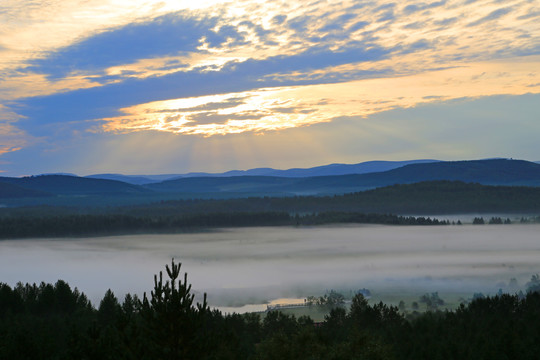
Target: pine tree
{"x": 175, "y": 327}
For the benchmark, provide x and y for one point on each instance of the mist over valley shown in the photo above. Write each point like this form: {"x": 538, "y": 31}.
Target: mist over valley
{"x": 256, "y": 265}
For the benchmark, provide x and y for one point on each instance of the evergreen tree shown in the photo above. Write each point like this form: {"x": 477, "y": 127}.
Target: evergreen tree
{"x": 175, "y": 327}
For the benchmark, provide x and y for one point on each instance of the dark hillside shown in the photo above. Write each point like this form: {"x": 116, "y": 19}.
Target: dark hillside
{"x": 487, "y": 172}
{"x": 430, "y": 197}
{"x": 11, "y": 191}
{"x": 268, "y": 184}
{"x": 73, "y": 185}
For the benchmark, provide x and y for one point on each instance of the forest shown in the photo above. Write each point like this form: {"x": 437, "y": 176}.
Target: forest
{"x": 377, "y": 206}
{"x": 49, "y": 321}
{"x": 430, "y": 197}
{"x": 97, "y": 225}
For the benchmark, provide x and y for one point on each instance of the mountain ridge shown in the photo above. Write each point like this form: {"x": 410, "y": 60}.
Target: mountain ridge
{"x": 486, "y": 172}
{"x": 72, "y": 185}
{"x": 323, "y": 170}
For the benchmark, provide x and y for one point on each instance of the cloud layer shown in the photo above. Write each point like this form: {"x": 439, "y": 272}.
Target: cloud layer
{"x": 99, "y": 68}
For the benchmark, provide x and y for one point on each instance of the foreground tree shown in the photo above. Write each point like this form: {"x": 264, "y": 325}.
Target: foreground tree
{"x": 174, "y": 325}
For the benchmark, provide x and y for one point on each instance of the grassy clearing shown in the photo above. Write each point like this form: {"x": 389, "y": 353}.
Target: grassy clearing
{"x": 452, "y": 300}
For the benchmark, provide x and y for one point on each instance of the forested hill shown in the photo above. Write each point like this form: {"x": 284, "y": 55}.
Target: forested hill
{"x": 430, "y": 197}
{"x": 324, "y": 170}
{"x": 8, "y": 191}
{"x": 250, "y": 184}
{"x": 70, "y": 185}
{"x": 372, "y": 207}
{"x": 487, "y": 172}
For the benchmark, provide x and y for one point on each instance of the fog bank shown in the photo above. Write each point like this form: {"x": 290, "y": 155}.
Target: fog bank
{"x": 253, "y": 265}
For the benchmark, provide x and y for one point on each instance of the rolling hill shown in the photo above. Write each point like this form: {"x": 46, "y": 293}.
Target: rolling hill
{"x": 72, "y": 185}
{"x": 428, "y": 197}
{"x": 325, "y": 170}
{"x": 12, "y": 191}
{"x": 487, "y": 172}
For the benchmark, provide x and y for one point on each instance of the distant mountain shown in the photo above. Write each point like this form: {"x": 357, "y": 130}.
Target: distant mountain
{"x": 325, "y": 170}
{"x": 248, "y": 184}
{"x": 133, "y": 179}
{"x": 12, "y": 191}
{"x": 72, "y": 185}
{"x": 487, "y": 172}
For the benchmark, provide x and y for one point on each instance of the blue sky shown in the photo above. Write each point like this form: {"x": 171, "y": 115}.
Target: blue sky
{"x": 141, "y": 87}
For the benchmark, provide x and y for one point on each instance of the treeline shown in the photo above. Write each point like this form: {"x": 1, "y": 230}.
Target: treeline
{"x": 113, "y": 224}
{"x": 431, "y": 197}
{"x": 57, "y": 322}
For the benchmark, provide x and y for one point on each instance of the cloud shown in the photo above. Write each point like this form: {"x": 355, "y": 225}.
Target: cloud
{"x": 532, "y": 14}
{"x": 261, "y": 110}
{"x": 450, "y": 130}
{"x": 28, "y": 85}
{"x": 422, "y": 6}
{"x": 446, "y": 21}
{"x": 494, "y": 15}
{"x": 11, "y": 137}
{"x": 227, "y": 34}
{"x": 313, "y": 36}
{"x": 228, "y": 103}
{"x": 387, "y": 16}
{"x": 279, "y": 19}
{"x": 167, "y": 35}
{"x": 358, "y": 26}
{"x": 213, "y": 117}
{"x": 70, "y": 68}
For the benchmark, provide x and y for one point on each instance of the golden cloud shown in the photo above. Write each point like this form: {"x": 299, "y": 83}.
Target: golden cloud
{"x": 270, "y": 109}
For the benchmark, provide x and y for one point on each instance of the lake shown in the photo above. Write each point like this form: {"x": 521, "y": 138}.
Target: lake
{"x": 256, "y": 265}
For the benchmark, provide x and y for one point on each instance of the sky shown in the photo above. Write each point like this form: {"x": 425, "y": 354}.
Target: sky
{"x": 173, "y": 86}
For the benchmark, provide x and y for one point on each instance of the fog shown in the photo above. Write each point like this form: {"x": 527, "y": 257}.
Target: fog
{"x": 255, "y": 265}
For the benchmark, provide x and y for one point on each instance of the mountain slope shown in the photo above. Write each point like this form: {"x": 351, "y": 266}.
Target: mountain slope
{"x": 73, "y": 185}
{"x": 134, "y": 179}
{"x": 12, "y": 191}
{"x": 325, "y": 170}
{"x": 429, "y": 197}
{"x": 266, "y": 184}
{"x": 487, "y": 172}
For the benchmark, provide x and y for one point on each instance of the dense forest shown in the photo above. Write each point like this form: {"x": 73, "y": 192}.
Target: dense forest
{"x": 432, "y": 197}
{"x": 368, "y": 207}
{"x": 49, "y": 321}
{"x": 96, "y": 225}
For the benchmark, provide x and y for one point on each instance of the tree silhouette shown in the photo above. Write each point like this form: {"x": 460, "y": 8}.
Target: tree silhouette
{"x": 176, "y": 328}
